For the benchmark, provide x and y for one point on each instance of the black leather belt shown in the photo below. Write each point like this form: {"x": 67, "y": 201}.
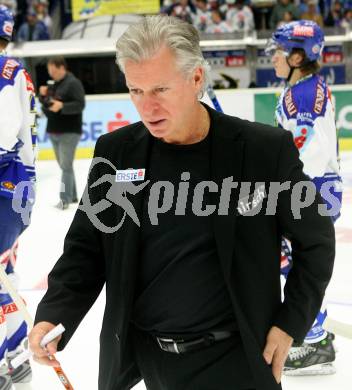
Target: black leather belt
{"x": 183, "y": 346}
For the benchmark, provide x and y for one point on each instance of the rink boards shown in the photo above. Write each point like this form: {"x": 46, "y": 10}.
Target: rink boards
{"x": 106, "y": 113}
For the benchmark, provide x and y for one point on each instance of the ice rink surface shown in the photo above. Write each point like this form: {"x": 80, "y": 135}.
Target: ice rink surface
{"x": 41, "y": 245}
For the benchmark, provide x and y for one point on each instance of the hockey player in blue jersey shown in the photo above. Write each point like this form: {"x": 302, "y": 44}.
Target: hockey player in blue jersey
{"x": 17, "y": 176}
{"x": 305, "y": 108}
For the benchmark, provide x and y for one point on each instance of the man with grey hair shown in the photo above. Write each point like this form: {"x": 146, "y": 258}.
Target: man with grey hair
{"x": 192, "y": 302}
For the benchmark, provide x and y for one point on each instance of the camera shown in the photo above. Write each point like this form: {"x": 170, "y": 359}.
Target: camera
{"x": 47, "y": 100}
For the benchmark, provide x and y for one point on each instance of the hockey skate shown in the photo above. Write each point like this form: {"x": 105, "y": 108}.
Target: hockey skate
{"x": 23, "y": 373}
{"x": 311, "y": 359}
{"x": 5, "y": 378}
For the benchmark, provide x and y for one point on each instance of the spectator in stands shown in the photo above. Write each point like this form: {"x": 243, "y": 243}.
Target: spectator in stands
{"x": 239, "y": 16}
{"x": 335, "y": 15}
{"x": 33, "y": 29}
{"x": 347, "y": 19}
{"x": 167, "y": 7}
{"x": 287, "y": 18}
{"x": 303, "y": 7}
{"x": 41, "y": 8}
{"x": 218, "y": 25}
{"x": 312, "y": 13}
{"x": 279, "y": 10}
{"x": 182, "y": 10}
{"x": 202, "y": 16}
{"x": 213, "y": 4}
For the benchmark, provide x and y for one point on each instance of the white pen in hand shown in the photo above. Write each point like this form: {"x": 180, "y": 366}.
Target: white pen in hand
{"x": 25, "y": 355}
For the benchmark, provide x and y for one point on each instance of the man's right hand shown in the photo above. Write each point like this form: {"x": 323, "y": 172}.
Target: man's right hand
{"x": 43, "y": 90}
{"x": 41, "y": 355}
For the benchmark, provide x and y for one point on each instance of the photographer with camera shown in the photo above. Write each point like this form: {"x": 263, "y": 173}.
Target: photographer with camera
{"x": 63, "y": 103}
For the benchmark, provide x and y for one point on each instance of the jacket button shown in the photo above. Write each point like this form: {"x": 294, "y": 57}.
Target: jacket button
{"x": 117, "y": 337}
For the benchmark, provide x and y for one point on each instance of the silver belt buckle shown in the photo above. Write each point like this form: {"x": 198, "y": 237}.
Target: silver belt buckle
{"x": 174, "y": 344}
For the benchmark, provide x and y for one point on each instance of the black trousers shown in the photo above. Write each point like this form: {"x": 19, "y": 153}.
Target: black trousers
{"x": 221, "y": 366}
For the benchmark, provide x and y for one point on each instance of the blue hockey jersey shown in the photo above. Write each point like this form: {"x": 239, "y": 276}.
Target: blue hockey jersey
{"x": 306, "y": 110}
{"x": 17, "y": 130}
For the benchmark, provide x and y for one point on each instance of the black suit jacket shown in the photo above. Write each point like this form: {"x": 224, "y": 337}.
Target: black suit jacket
{"x": 248, "y": 248}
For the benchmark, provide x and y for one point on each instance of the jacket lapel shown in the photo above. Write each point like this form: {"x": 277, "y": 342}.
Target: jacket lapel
{"x": 226, "y": 162}
{"x": 134, "y": 155}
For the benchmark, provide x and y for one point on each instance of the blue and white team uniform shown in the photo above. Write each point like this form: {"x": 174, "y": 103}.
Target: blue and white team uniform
{"x": 17, "y": 179}
{"x": 307, "y": 111}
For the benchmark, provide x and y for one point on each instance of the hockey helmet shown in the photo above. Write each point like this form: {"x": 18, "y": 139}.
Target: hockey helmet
{"x": 301, "y": 34}
{"x": 6, "y": 23}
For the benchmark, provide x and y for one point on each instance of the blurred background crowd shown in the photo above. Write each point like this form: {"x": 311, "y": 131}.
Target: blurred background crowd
{"x": 45, "y": 19}
{"x": 216, "y": 16}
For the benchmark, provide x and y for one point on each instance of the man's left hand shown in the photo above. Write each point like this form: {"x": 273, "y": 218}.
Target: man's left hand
{"x": 278, "y": 344}
{"x": 56, "y": 106}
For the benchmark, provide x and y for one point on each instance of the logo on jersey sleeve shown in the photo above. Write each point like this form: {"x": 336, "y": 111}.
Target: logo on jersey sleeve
{"x": 290, "y": 104}
{"x": 9, "y": 69}
{"x": 305, "y": 118}
{"x": 8, "y": 186}
{"x": 319, "y": 99}
{"x": 302, "y": 136}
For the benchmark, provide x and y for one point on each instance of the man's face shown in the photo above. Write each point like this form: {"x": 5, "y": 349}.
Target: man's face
{"x": 279, "y": 60}
{"x": 216, "y": 17}
{"x": 31, "y": 19}
{"x": 201, "y": 5}
{"x": 164, "y": 98}
{"x": 56, "y": 72}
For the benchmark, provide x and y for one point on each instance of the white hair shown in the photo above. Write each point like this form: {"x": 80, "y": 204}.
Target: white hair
{"x": 143, "y": 39}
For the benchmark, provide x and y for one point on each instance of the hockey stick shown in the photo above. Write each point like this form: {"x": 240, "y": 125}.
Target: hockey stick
{"x": 5, "y": 281}
{"x": 214, "y": 99}
{"x": 337, "y": 327}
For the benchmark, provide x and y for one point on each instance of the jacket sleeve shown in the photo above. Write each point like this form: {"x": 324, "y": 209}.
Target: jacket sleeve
{"x": 77, "y": 101}
{"x": 313, "y": 247}
{"x": 79, "y": 275}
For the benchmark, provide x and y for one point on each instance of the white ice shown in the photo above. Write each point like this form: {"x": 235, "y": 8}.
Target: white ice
{"x": 41, "y": 245}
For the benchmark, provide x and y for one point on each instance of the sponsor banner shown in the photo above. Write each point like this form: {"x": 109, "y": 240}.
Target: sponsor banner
{"x": 82, "y": 9}
{"x": 333, "y": 54}
{"x": 228, "y": 68}
{"x": 99, "y": 117}
{"x": 264, "y": 107}
{"x": 226, "y": 57}
{"x": 230, "y": 78}
{"x": 343, "y": 103}
{"x": 106, "y": 114}
{"x": 334, "y": 74}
